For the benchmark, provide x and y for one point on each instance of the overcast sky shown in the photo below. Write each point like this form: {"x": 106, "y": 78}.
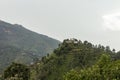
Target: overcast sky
{"x": 97, "y": 21}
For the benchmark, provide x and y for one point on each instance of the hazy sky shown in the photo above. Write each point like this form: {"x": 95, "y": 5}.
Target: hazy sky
{"x": 97, "y": 21}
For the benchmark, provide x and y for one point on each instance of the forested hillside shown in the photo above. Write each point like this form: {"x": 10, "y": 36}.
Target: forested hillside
{"x": 18, "y": 44}
{"x": 72, "y": 60}
{"x": 104, "y": 69}
{"x": 71, "y": 54}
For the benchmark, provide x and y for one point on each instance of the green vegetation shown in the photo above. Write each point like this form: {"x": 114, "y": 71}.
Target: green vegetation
{"x": 17, "y": 72}
{"x": 18, "y": 44}
{"x": 70, "y": 55}
{"x": 104, "y": 69}
{"x": 72, "y": 60}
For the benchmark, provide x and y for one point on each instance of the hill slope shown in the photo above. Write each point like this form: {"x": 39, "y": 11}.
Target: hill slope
{"x": 71, "y": 54}
{"x": 22, "y": 45}
{"x": 72, "y": 60}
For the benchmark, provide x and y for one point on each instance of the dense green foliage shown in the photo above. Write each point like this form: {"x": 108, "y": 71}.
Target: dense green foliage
{"x": 104, "y": 69}
{"x": 17, "y": 72}
{"x": 71, "y": 54}
{"x": 21, "y": 45}
{"x": 72, "y": 60}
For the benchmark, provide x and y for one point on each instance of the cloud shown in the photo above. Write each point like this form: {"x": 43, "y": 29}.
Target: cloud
{"x": 112, "y": 22}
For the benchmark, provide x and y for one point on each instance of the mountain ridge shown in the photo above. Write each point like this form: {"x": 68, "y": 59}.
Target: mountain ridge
{"x": 22, "y": 45}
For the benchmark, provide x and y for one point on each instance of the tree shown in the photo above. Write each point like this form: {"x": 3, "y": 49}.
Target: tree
{"x": 72, "y": 75}
{"x": 17, "y": 72}
{"x": 104, "y": 69}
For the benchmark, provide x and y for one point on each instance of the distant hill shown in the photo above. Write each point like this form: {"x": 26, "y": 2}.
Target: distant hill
{"x": 18, "y": 44}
